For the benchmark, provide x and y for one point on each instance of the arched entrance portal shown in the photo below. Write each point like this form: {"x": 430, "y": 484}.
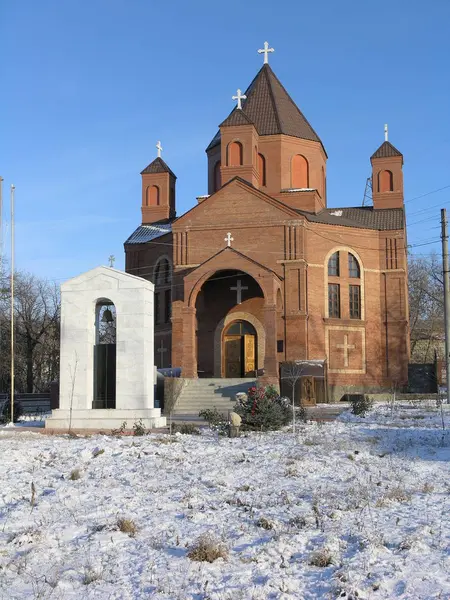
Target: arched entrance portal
{"x": 239, "y": 349}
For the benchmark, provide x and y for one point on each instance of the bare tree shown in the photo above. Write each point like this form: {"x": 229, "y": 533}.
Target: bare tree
{"x": 292, "y": 373}
{"x": 37, "y": 322}
{"x": 426, "y": 307}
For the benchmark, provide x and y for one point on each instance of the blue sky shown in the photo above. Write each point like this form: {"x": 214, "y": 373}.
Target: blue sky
{"x": 88, "y": 87}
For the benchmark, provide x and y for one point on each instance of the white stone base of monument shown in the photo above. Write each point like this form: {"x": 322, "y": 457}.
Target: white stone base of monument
{"x": 105, "y": 419}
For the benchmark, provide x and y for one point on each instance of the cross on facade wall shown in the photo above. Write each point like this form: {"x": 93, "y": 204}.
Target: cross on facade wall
{"x": 229, "y": 239}
{"x": 240, "y": 96}
{"x": 159, "y": 148}
{"x": 346, "y": 347}
{"x": 239, "y": 288}
{"x": 161, "y": 351}
{"x": 266, "y": 51}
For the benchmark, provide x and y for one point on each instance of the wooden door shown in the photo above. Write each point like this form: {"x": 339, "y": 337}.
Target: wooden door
{"x": 233, "y": 356}
{"x": 249, "y": 355}
{"x": 308, "y": 391}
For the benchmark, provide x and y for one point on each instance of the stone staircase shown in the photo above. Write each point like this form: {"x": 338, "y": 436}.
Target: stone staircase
{"x": 199, "y": 394}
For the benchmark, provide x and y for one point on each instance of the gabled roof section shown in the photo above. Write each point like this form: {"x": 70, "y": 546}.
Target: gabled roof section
{"x": 148, "y": 233}
{"x": 270, "y": 108}
{"x": 237, "y": 117}
{"x": 386, "y": 150}
{"x": 158, "y": 166}
{"x": 362, "y": 217}
{"x": 262, "y": 195}
{"x": 244, "y": 256}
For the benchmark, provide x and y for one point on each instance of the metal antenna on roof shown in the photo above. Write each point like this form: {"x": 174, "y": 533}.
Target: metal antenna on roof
{"x": 159, "y": 148}
{"x": 266, "y": 51}
{"x": 367, "y": 199}
{"x": 386, "y": 133}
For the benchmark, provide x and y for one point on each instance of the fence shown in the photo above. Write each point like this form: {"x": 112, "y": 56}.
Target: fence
{"x": 32, "y": 404}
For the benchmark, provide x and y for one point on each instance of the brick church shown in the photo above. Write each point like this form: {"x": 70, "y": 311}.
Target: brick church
{"x": 260, "y": 271}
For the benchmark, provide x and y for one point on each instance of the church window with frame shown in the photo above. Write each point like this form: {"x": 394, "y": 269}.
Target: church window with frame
{"x": 333, "y": 265}
{"x": 299, "y": 172}
{"x": 167, "y": 306}
{"x": 334, "y": 301}
{"x": 353, "y": 267}
{"x": 355, "y": 301}
{"x": 262, "y": 170}
{"x": 157, "y": 309}
{"x": 235, "y": 154}
{"x": 385, "y": 181}
{"x": 217, "y": 176}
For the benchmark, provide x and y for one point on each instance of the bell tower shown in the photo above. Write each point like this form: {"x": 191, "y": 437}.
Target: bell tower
{"x": 387, "y": 175}
{"x": 158, "y": 191}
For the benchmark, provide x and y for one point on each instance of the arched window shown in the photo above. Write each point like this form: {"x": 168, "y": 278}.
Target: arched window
{"x": 344, "y": 282}
{"x": 333, "y": 265}
{"x": 153, "y": 195}
{"x": 235, "y": 153}
{"x": 353, "y": 267}
{"x": 262, "y": 169}
{"x": 163, "y": 272}
{"x": 105, "y": 355}
{"x": 217, "y": 177}
{"x": 299, "y": 172}
{"x": 385, "y": 181}
{"x": 324, "y": 183}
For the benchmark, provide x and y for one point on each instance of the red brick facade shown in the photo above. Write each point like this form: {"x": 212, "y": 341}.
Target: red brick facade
{"x": 283, "y": 238}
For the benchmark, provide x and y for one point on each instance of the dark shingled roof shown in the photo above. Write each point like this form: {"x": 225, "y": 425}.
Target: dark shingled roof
{"x": 147, "y": 233}
{"x": 158, "y": 166}
{"x": 270, "y": 108}
{"x": 386, "y": 150}
{"x": 363, "y": 217}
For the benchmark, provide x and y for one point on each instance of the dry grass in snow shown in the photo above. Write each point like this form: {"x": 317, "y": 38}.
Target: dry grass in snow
{"x": 357, "y": 508}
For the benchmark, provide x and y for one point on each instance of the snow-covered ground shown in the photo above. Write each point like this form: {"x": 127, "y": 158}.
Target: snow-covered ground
{"x": 370, "y": 498}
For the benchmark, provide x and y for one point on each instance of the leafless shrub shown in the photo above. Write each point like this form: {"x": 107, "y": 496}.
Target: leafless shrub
{"x": 298, "y": 521}
{"x": 291, "y": 472}
{"x": 126, "y": 526}
{"x": 91, "y": 575}
{"x": 207, "y": 549}
{"x": 396, "y": 494}
{"x": 75, "y": 475}
{"x": 321, "y": 558}
{"x": 427, "y": 488}
{"x": 243, "y": 488}
{"x": 265, "y": 523}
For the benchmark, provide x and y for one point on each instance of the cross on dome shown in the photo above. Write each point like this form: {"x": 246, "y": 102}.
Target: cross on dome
{"x": 386, "y": 133}
{"x": 266, "y": 51}
{"x": 159, "y": 148}
{"x": 240, "y": 96}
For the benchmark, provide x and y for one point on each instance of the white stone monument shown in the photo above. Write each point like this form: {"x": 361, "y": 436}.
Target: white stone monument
{"x": 106, "y": 296}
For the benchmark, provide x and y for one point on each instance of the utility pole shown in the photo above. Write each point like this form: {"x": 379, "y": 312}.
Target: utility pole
{"x": 1, "y": 224}
{"x": 12, "y": 303}
{"x": 445, "y": 270}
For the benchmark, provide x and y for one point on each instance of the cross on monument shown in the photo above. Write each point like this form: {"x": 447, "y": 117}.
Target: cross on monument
{"x": 112, "y": 260}
{"x": 266, "y": 51}
{"x": 159, "y": 148}
{"x": 240, "y": 96}
{"x": 229, "y": 239}
{"x": 161, "y": 351}
{"x": 239, "y": 288}
{"x": 386, "y": 133}
{"x": 346, "y": 347}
